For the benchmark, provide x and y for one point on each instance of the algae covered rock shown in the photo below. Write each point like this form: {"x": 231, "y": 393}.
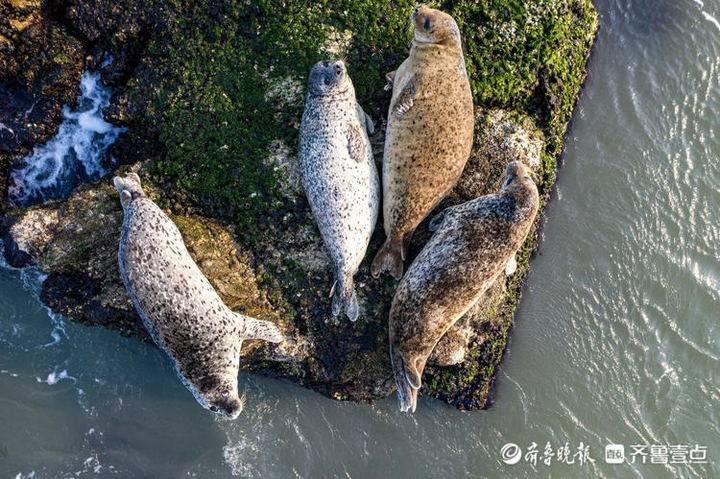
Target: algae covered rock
{"x": 212, "y": 94}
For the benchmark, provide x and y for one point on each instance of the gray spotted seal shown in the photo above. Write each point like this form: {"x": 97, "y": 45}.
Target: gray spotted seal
{"x": 429, "y": 132}
{"x": 471, "y": 245}
{"x": 179, "y": 307}
{"x": 339, "y": 175}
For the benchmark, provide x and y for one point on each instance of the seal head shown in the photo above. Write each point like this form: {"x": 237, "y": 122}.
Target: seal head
{"x": 328, "y": 78}
{"x": 129, "y": 188}
{"x": 434, "y": 27}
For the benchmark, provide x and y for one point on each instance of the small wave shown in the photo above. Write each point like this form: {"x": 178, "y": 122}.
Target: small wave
{"x": 74, "y": 155}
{"x": 711, "y": 19}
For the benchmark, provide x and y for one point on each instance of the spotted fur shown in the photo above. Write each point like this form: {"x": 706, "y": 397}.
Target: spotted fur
{"x": 429, "y": 132}
{"x": 471, "y": 246}
{"x": 339, "y": 175}
{"x": 179, "y": 307}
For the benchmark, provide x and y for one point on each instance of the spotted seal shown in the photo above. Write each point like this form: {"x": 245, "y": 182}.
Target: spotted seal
{"x": 472, "y": 244}
{"x": 339, "y": 175}
{"x": 429, "y": 132}
{"x": 179, "y": 307}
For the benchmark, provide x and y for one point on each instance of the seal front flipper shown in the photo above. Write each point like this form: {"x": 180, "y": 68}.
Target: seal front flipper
{"x": 406, "y": 98}
{"x": 356, "y": 143}
{"x": 390, "y": 258}
{"x": 390, "y": 77}
{"x": 437, "y": 221}
{"x": 365, "y": 120}
{"x": 406, "y": 380}
{"x": 252, "y": 328}
{"x": 344, "y": 297}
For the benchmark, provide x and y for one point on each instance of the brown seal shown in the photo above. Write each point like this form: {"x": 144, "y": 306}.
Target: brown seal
{"x": 472, "y": 244}
{"x": 429, "y": 132}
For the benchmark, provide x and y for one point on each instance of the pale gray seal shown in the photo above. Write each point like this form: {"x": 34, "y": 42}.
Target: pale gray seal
{"x": 429, "y": 132}
{"x": 179, "y": 307}
{"x": 472, "y": 244}
{"x": 339, "y": 175}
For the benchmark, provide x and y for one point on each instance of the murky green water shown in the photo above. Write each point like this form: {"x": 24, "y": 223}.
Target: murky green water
{"x": 617, "y": 338}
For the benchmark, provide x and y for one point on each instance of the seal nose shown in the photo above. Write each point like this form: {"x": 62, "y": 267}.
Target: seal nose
{"x": 339, "y": 67}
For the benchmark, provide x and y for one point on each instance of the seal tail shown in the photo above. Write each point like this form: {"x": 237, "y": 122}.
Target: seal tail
{"x": 407, "y": 381}
{"x": 259, "y": 329}
{"x": 390, "y": 258}
{"x": 344, "y": 297}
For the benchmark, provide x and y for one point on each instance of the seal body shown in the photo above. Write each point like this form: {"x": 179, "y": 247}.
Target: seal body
{"x": 339, "y": 175}
{"x": 179, "y": 307}
{"x": 471, "y": 246}
{"x": 429, "y": 132}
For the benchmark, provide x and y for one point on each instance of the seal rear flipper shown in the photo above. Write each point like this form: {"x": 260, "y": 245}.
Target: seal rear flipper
{"x": 390, "y": 258}
{"x": 344, "y": 297}
{"x": 407, "y": 392}
{"x": 259, "y": 329}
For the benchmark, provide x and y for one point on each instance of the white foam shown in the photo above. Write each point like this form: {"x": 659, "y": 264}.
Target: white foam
{"x": 55, "y": 377}
{"x": 52, "y": 170}
{"x": 4, "y": 127}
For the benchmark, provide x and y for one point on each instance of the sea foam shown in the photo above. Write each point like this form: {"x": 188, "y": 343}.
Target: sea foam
{"x": 74, "y": 155}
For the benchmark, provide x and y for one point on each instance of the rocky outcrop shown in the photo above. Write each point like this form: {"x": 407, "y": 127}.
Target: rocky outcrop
{"x": 212, "y": 122}
{"x": 75, "y": 242}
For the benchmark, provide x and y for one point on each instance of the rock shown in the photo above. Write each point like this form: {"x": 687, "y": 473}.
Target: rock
{"x": 501, "y": 136}
{"x": 286, "y": 279}
{"x": 29, "y": 235}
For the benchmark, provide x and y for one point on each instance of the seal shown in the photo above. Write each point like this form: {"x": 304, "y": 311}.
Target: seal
{"x": 339, "y": 175}
{"x": 179, "y": 307}
{"x": 471, "y": 247}
{"x": 429, "y": 132}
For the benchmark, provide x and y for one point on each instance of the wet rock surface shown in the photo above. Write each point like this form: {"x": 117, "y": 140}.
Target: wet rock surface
{"x": 213, "y": 134}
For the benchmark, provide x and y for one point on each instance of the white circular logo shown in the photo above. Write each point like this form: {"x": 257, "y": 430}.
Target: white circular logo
{"x": 511, "y": 453}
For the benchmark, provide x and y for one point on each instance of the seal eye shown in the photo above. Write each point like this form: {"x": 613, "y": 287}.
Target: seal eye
{"x": 214, "y": 408}
{"x": 428, "y": 24}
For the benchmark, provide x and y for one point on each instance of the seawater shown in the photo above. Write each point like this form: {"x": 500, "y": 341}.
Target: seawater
{"x": 616, "y": 341}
